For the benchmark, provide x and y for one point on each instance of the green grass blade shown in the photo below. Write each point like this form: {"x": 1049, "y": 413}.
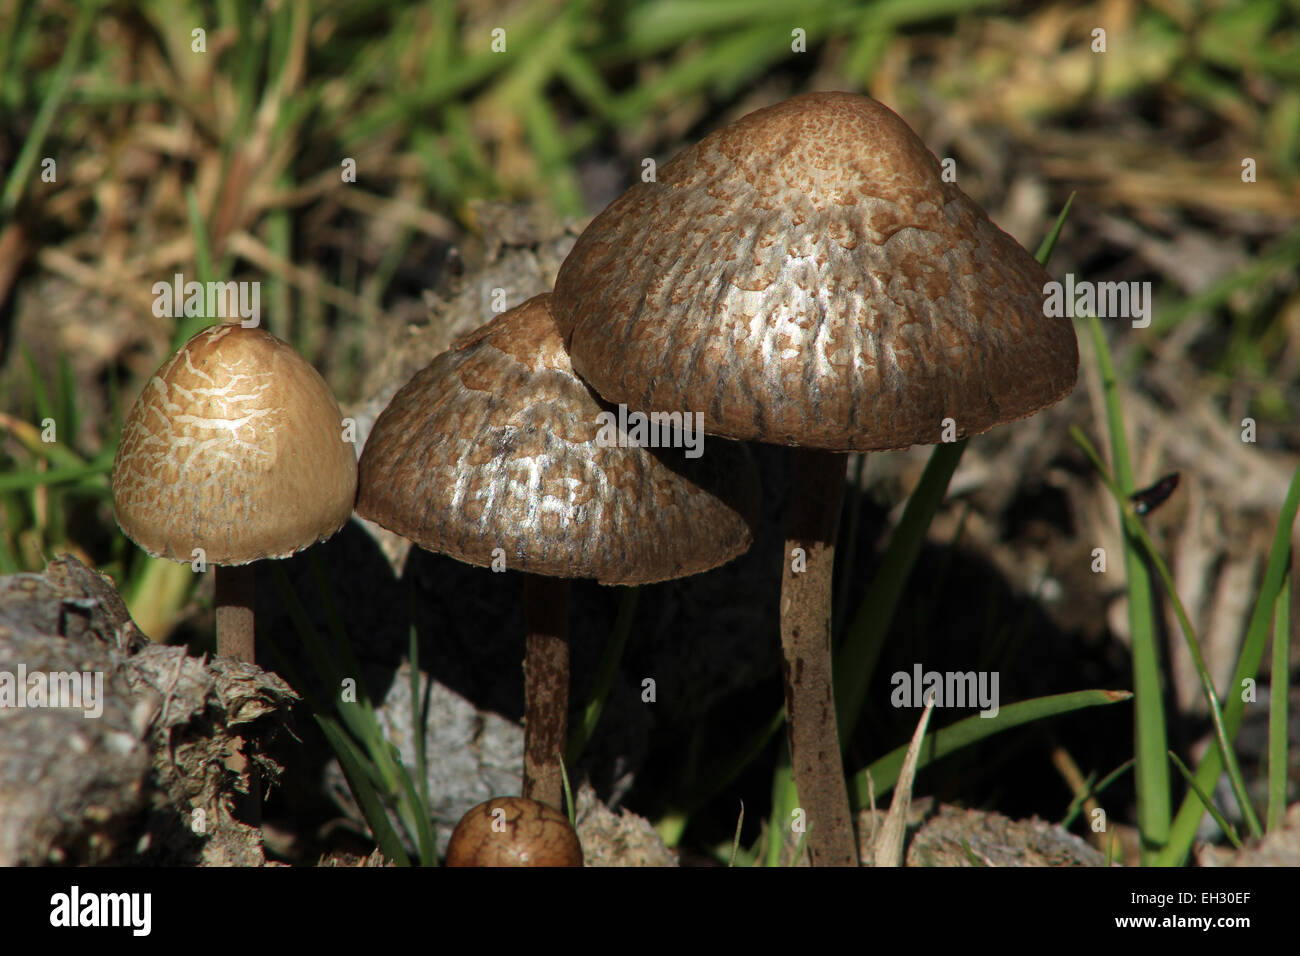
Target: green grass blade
{"x": 352, "y": 762}
{"x": 188, "y": 326}
{"x": 735, "y": 840}
{"x": 784, "y": 800}
{"x": 57, "y": 476}
{"x": 1206, "y": 801}
{"x": 415, "y": 814}
{"x": 1279, "y": 686}
{"x": 1048, "y": 245}
{"x": 884, "y": 771}
{"x": 568, "y": 796}
{"x": 1151, "y": 743}
{"x": 1077, "y": 803}
{"x": 40, "y": 391}
{"x": 419, "y": 713}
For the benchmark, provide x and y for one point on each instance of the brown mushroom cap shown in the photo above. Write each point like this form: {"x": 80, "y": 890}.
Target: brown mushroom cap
{"x": 494, "y": 445}
{"x": 234, "y": 446}
{"x": 804, "y": 276}
{"x": 513, "y": 831}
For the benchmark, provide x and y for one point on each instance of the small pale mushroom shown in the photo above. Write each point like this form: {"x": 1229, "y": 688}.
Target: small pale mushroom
{"x": 804, "y": 276}
{"x": 236, "y": 448}
{"x": 492, "y": 454}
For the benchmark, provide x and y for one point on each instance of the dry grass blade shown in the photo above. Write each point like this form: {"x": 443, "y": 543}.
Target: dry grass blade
{"x": 889, "y": 848}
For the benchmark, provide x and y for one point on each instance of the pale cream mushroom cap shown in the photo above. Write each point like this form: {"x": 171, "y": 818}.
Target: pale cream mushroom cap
{"x": 236, "y": 447}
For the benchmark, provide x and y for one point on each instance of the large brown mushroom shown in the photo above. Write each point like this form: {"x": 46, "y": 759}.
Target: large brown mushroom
{"x": 805, "y": 276}
{"x": 492, "y": 455}
{"x": 235, "y": 447}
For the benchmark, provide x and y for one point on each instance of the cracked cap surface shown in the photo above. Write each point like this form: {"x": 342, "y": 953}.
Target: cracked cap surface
{"x": 804, "y": 276}
{"x": 514, "y": 831}
{"x": 235, "y": 446}
{"x": 494, "y": 445}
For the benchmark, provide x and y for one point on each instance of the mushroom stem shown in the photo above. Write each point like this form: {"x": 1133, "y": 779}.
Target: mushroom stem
{"x": 546, "y": 687}
{"x": 234, "y": 603}
{"x": 812, "y": 518}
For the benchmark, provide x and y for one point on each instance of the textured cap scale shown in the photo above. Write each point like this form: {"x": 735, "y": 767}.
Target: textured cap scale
{"x": 805, "y": 277}
{"x": 493, "y": 445}
{"x": 235, "y": 446}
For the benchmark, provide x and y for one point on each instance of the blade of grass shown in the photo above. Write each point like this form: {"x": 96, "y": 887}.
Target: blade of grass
{"x": 1207, "y": 801}
{"x": 40, "y": 391}
{"x": 29, "y": 436}
{"x": 884, "y": 771}
{"x": 188, "y": 326}
{"x": 571, "y": 810}
{"x": 784, "y": 800}
{"x": 1151, "y": 744}
{"x": 1080, "y": 799}
{"x": 351, "y": 760}
{"x": 735, "y": 840}
{"x": 419, "y": 715}
{"x": 1279, "y": 686}
{"x": 57, "y": 476}
{"x": 1048, "y": 245}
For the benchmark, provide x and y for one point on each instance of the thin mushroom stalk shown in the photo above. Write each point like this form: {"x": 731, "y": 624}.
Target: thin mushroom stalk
{"x": 818, "y": 769}
{"x": 234, "y": 591}
{"x": 546, "y": 687}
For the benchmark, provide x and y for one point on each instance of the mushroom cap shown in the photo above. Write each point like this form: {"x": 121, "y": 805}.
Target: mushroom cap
{"x": 804, "y": 276}
{"x": 235, "y": 446}
{"x": 494, "y": 444}
{"x": 523, "y": 833}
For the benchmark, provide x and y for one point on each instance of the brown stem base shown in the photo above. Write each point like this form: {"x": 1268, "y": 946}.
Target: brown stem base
{"x": 812, "y": 518}
{"x": 234, "y": 603}
{"x": 546, "y": 687}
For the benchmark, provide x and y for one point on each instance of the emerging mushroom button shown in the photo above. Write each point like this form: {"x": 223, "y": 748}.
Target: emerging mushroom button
{"x": 513, "y": 831}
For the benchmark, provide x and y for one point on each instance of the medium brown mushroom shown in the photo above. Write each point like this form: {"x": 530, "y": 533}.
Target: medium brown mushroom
{"x": 492, "y": 454}
{"x": 234, "y": 447}
{"x": 804, "y": 276}
{"x": 513, "y": 831}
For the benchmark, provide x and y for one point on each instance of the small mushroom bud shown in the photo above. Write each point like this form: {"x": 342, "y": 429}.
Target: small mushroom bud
{"x": 514, "y": 831}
